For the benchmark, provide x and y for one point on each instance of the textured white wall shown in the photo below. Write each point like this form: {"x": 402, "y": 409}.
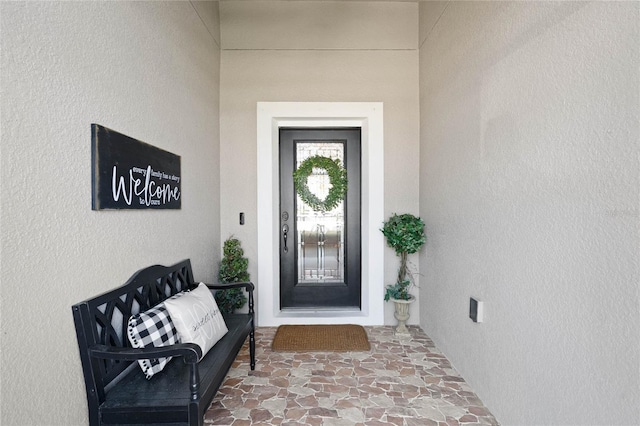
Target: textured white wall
{"x": 529, "y": 185}
{"x": 323, "y": 64}
{"x": 149, "y": 70}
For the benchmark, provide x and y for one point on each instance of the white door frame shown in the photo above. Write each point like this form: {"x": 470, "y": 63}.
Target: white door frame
{"x": 366, "y": 115}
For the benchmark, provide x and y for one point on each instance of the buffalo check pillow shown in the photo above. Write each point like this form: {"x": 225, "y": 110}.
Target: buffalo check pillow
{"x": 152, "y": 328}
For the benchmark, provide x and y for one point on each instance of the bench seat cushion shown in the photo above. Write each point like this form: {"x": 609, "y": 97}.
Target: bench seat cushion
{"x": 169, "y": 390}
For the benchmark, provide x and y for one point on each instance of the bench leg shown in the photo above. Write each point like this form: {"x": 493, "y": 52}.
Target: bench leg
{"x": 252, "y": 349}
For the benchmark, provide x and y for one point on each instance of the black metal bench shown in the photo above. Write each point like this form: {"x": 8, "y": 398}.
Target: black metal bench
{"x": 117, "y": 390}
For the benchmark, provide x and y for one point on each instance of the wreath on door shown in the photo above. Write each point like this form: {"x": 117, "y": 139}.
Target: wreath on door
{"x": 337, "y": 179}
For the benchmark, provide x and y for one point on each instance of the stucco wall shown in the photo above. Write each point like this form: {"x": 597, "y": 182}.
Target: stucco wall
{"x": 320, "y": 52}
{"x": 529, "y": 185}
{"x": 149, "y": 70}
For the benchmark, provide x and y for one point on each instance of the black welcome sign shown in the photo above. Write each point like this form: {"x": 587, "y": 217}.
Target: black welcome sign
{"x": 129, "y": 174}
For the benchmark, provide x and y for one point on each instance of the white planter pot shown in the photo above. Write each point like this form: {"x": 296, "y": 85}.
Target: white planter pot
{"x": 402, "y": 315}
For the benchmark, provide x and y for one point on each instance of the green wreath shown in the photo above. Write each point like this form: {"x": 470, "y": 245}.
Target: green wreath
{"x": 337, "y": 178}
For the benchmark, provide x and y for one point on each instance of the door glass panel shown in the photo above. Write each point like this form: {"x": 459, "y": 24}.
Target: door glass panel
{"x": 320, "y": 235}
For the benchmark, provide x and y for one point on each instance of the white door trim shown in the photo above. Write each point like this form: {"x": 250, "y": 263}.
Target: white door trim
{"x": 369, "y": 117}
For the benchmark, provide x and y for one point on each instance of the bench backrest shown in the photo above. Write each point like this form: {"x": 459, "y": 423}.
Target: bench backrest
{"x": 103, "y": 319}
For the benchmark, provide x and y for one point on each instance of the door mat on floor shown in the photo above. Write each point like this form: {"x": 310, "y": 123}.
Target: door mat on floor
{"x": 321, "y": 338}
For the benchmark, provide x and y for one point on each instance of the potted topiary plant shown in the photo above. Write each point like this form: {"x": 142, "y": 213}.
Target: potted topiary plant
{"x": 233, "y": 269}
{"x": 405, "y": 234}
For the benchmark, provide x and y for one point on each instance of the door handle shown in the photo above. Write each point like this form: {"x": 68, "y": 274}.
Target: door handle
{"x": 285, "y": 232}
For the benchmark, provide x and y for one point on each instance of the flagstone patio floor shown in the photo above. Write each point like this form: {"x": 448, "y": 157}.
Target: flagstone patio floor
{"x": 399, "y": 382}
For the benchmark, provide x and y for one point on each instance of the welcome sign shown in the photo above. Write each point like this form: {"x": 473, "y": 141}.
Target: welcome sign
{"x": 130, "y": 174}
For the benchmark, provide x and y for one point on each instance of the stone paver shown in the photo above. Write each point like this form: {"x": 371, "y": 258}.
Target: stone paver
{"x": 399, "y": 382}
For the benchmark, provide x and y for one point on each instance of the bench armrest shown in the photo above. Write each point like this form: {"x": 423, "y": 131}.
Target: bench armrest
{"x": 190, "y": 351}
{"x": 246, "y": 285}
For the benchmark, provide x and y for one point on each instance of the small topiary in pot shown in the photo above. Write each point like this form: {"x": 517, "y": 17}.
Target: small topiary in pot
{"x": 233, "y": 269}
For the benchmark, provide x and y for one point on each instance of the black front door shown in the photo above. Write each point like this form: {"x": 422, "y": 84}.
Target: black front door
{"x": 319, "y": 248}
